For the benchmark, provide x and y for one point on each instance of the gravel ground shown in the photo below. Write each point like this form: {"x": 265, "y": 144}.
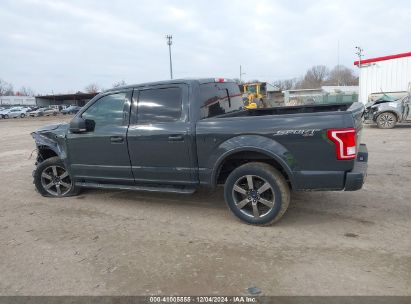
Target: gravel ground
{"x": 122, "y": 242}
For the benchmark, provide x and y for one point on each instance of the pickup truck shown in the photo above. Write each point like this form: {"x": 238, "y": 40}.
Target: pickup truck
{"x": 180, "y": 135}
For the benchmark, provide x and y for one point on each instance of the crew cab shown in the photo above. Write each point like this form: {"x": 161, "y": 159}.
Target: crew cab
{"x": 180, "y": 135}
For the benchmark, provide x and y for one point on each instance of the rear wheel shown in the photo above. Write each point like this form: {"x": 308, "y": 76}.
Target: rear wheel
{"x": 51, "y": 178}
{"x": 257, "y": 193}
{"x": 6, "y": 116}
{"x": 386, "y": 120}
{"x": 22, "y": 115}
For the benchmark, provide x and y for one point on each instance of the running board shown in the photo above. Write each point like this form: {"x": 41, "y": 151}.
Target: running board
{"x": 180, "y": 190}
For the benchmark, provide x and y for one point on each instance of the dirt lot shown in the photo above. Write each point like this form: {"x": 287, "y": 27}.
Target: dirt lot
{"x": 121, "y": 242}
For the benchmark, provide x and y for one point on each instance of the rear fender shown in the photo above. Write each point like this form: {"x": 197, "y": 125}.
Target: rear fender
{"x": 252, "y": 143}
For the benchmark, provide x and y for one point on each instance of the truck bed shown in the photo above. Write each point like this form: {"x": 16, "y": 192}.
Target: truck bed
{"x": 338, "y": 107}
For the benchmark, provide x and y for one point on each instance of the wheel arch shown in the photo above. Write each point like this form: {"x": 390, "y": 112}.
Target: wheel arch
{"x": 234, "y": 158}
{"x": 45, "y": 152}
{"x": 388, "y": 111}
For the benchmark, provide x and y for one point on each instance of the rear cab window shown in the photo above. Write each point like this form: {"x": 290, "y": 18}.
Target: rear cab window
{"x": 219, "y": 98}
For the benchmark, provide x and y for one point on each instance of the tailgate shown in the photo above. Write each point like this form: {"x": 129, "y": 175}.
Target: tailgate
{"x": 357, "y": 111}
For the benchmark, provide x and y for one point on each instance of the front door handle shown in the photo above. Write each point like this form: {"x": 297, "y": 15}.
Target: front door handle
{"x": 176, "y": 138}
{"x": 116, "y": 139}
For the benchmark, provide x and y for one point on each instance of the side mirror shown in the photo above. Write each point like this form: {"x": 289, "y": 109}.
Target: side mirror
{"x": 81, "y": 125}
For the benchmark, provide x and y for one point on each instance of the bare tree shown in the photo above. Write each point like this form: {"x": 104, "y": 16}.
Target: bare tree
{"x": 92, "y": 88}
{"x": 6, "y": 88}
{"x": 119, "y": 84}
{"x": 315, "y": 77}
{"x": 286, "y": 84}
{"x": 25, "y": 91}
{"x": 318, "y": 76}
{"x": 341, "y": 75}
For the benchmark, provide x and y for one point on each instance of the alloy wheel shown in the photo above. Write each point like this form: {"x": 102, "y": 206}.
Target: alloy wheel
{"x": 56, "y": 180}
{"x": 253, "y": 196}
{"x": 386, "y": 120}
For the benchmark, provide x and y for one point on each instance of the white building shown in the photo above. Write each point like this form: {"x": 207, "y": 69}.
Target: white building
{"x": 388, "y": 74}
{"x": 17, "y": 100}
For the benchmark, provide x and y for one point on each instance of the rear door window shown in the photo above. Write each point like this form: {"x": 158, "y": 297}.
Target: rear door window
{"x": 159, "y": 105}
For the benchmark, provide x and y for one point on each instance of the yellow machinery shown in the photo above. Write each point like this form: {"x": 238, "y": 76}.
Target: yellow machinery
{"x": 253, "y": 94}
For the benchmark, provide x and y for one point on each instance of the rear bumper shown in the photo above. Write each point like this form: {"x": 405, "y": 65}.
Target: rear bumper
{"x": 354, "y": 179}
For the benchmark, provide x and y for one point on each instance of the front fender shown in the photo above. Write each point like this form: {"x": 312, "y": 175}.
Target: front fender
{"x": 252, "y": 143}
{"x": 51, "y": 141}
{"x": 386, "y": 107}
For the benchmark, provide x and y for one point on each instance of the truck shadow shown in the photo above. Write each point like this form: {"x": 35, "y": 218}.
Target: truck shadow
{"x": 306, "y": 208}
{"x": 200, "y": 198}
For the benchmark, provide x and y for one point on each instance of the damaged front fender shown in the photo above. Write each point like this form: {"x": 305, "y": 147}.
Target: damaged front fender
{"x": 51, "y": 141}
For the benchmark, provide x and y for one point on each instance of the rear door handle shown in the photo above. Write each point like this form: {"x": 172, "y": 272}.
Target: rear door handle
{"x": 176, "y": 138}
{"x": 116, "y": 139}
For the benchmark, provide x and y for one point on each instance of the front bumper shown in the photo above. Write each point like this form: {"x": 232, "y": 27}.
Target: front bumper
{"x": 356, "y": 177}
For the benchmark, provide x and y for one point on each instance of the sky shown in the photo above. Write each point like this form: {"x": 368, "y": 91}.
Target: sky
{"x": 57, "y": 46}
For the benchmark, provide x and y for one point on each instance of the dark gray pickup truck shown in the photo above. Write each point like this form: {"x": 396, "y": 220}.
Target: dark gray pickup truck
{"x": 180, "y": 135}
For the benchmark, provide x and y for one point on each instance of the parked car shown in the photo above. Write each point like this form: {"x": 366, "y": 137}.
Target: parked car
{"x": 3, "y": 111}
{"x": 31, "y": 109}
{"x": 70, "y": 110}
{"x": 386, "y": 112}
{"x": 43, "y": 112}
{"x": 50, "y": 111}
{"x": 36, "y": 113}
{"x": 160, "y": 137}
{"x": 14, "y": 112}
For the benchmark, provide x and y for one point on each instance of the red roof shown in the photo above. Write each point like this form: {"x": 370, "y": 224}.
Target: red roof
{"x": 383, "y": 58}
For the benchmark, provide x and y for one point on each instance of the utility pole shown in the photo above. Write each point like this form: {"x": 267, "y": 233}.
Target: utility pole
{"x": 241, "y": 73}
{"x": 359, "y": 53}
{"x": 338, "y": 63}
{"x": 170, "y": 42}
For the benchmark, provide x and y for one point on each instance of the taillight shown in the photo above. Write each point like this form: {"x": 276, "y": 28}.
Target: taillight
{"x": 345, "y": 142}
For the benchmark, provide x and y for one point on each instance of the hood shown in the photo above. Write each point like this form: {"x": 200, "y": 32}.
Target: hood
{"x": 62, "y": 127}
{"x": 383, "y": 99}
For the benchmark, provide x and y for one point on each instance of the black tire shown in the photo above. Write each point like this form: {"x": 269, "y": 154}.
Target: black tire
{"x": 22, "y": 115}
{"x": 243, "y": 203}
{"x": 57, "y": 182}
{"x": 6, "y": 116}
{"x": 386, "y": 120}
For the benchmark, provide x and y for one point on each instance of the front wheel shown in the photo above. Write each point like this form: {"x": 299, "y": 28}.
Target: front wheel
{"x": 257, "y": 193}
{"x": 6, "y": 116}
{"x": 51, "y": 178}
{"x": 22, "y": 115}
{"x": 386, "y": 120}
